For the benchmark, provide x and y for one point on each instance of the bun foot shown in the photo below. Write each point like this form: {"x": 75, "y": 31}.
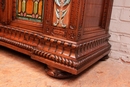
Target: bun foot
{"x": 56, "y": 73}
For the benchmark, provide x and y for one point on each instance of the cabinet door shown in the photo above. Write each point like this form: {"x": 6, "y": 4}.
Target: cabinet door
{"x": 5, "y": 11}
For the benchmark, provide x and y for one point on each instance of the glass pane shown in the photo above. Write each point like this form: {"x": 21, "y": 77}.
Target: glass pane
{"x": 30, "y": 10}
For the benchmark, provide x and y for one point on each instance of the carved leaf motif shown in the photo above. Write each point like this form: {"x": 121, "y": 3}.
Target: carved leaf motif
{"x": 58, "y": 2}
{"x": 66, "y": 2}
{"x": 64, "y": 13}
{"x": 57, "y": 13}
{"x": 61, "y": 12}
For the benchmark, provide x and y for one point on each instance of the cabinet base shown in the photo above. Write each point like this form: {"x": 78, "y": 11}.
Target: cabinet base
{"x": 60, "y": 54}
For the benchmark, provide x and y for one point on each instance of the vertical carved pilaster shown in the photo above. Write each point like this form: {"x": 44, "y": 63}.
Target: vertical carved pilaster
{"x": 6, "y": 11}
{"x": 3, "y": 3}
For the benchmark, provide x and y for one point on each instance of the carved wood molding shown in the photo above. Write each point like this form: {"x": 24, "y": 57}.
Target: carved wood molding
{"x": 16, "y": 43}
{"x": 53, "y": 57}
{"x": 70, "y": 54}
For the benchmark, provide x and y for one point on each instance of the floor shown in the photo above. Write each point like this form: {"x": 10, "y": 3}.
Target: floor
{"x": 18, "y": 70}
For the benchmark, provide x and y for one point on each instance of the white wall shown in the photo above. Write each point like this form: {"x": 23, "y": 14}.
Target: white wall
{"x": 120, "y": 30}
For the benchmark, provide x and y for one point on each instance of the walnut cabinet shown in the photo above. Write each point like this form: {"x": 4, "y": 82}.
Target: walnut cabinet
{"x": 66, "y": 35}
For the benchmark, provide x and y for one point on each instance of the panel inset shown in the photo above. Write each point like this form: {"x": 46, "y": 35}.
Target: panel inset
{"x": 94, "y": 13}
{"x": 30, "y": 10}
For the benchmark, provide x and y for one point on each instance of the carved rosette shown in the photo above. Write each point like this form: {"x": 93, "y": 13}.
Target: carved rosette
{"x": 61, "y": 13}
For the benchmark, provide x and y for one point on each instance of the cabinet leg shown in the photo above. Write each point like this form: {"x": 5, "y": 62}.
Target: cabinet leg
{"x": 104, "y": 58}
{"x": 56, "y": 73}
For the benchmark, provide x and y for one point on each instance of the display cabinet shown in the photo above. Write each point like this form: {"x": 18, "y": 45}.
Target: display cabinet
{"x": 66, "y": 35}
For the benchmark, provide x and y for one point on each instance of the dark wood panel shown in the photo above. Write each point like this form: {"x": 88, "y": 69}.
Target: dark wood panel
{"x": 93, "y": 13}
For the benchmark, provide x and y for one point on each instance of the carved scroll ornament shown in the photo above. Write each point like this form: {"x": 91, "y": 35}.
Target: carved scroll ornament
{"x": 61, "y": 11}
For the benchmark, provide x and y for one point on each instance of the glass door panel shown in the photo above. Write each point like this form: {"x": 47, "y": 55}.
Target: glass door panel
{"x": 30, "y": 10}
